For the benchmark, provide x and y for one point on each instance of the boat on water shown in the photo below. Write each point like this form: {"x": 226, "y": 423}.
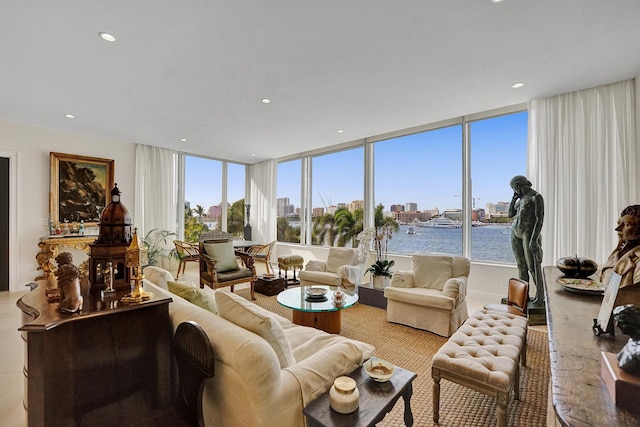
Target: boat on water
{"x": 442, "y": 222}
{"x": 410, "y": 231}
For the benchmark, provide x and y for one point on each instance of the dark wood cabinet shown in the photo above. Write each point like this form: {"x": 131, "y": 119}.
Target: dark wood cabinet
{"x": 108, "y": 365}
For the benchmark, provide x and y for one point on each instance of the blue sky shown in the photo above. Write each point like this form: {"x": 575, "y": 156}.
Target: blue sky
{"x": 424, "y": 168}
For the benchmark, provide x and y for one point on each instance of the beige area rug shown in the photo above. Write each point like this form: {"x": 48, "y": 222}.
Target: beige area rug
{"x": 413, "y": 349}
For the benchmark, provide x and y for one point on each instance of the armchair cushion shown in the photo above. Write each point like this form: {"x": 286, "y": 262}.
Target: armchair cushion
{"x": 314, "y": 265}
{"x": 402, "y": 279}
{"x": 340, "y": 256}
{"x": 431, "y": 271}
{"x": 454, "y": 288}
{"x": 194, "y": 295}
{"x": 259, "y": 321}
{"x": 223, "y": 254}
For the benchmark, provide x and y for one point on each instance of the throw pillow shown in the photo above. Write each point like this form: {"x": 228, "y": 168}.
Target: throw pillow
{"x": 340, "y": 256}
{"x": 224, "y": 255}
{"x": 249, "y": 316}
{"x": 431, "y": 271}
{"x": 194, "y": 295}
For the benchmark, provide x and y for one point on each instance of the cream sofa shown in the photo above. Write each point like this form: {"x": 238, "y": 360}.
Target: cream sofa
{"x": 267, "y": 376}
{"x": 343, "y": 267}
{"x": 432, "y": 296}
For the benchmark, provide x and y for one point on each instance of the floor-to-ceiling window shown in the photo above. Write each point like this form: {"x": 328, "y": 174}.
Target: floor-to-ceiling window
{"x": 288, "y": 202}
{"x": 236, "y": 178}
{"x": 498, "y": 153}
{"x": 418, "y": 178}
{"x": 202, "y": 195}
{"x": 337, "y": 200}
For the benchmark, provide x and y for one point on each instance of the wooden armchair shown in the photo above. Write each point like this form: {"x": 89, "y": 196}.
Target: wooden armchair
{"x": 262, "y": 253}
{"x": 187, "y": 252}
{"x": 219, "y": 264}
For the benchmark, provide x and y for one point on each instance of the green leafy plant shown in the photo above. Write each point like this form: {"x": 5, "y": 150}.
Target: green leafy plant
{"x": 381, "y": 268}
{"x": 156, "y": 243}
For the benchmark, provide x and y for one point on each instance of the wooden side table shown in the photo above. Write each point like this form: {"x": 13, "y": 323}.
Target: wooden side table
{"x": 371, "y": 296}
{"x": 376, "y": 400}
{"x": 270, "y": 286}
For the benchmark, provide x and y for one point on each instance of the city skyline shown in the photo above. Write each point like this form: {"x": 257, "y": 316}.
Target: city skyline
{"x": 423, "y": 168}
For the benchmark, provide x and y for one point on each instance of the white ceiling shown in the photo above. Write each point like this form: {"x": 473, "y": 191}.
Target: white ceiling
{"x": 198, "y": 69}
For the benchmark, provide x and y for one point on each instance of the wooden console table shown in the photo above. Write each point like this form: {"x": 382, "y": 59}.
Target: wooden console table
{"x": 578, "y": 393}
{"x": 107, "y": 365}
{"x": 49, "y": 247}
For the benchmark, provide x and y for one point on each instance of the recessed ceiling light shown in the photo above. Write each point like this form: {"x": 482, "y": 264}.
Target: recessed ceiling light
{"x": 496, "y": 1}
{"x": 70, "y": 116}
{"x": 266, "y": 100}
{"x": 517, "y": 85}
{"x": 107, "y": 37}
{"x": 253, "y": 154}
{"x": 183, "y": 139}
{"x": 340, "y": 131}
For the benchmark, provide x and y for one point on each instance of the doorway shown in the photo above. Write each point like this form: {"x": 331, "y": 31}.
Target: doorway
{"x": 4, "y": 224}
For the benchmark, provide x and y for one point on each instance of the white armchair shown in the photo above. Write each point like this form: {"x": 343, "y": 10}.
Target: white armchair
{"x": 432, "y": 296}
{"x": 343, "y": 267}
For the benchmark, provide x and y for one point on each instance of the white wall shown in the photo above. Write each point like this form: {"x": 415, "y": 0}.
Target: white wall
{"x": 32, "y": 146}
{"x": 487, "y": 282}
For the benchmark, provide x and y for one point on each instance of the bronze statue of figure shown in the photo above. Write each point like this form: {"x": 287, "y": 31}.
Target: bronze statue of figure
{"x": 527, "y": 210}
{"x": 624, "y": 258}
{"x": 627, "y": 318}
{"x": 69, "y": 284}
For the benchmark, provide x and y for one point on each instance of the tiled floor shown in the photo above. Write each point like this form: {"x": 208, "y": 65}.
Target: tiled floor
{"x": 11, "y": 350}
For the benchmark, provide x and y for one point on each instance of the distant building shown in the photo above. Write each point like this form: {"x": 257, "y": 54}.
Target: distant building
{"x": 397, "y": 208}
{"x": 214, "y": 211}
{"x": 285, "y": 208}
{"x": 316, "y": 212}
{"x": 410, "y": 206}
{"x": 433, "y": 212}
{"x": 408, "y": 217}
{"x": 356, "y": 204}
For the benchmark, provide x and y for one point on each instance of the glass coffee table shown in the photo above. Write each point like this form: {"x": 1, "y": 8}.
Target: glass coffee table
{"x": 319, "y": 312}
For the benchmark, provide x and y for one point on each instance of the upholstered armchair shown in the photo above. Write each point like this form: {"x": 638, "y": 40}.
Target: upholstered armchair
{"x": 219, "y": 265}
{"x": 343, "y": 267}
{"x": 432, "y": 295}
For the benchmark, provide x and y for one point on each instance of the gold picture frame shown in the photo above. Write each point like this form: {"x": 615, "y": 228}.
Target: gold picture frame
{"x": 80, "y": 188}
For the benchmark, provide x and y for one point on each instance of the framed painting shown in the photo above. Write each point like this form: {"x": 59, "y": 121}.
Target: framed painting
{"x": 80, "y": 187}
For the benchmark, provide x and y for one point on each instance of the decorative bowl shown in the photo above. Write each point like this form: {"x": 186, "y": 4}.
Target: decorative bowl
{"x": 378, "y": 369}
{"x": 315, "y": 292}
{"x": 577, "y": 267}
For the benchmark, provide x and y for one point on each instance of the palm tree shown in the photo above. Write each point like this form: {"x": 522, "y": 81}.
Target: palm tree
{"x": 349, "y": 226}
{"x": 199, "y": 211}
{"x": 324, "y": 230}
{"x": 287, "y": 233}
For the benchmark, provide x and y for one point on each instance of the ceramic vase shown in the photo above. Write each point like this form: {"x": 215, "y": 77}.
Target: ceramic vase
{"x": 381, "y": 282}
{"x": 344, "y": 397}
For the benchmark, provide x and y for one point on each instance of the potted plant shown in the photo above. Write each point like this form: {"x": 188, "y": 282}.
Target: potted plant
{"x": 157, "y": 243}
{"x": 380, "y": 270}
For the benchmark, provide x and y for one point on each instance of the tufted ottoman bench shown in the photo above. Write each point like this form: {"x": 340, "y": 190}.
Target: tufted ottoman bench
{"x": 484, "y": 355}
{"x": 290, "y": 262}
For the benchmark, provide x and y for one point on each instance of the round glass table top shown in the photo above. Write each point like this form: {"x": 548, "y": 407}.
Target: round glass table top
{"x": 313, "y": 299}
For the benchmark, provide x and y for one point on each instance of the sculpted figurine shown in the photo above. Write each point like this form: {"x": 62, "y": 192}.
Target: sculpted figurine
{"x": 68, "y": 283}
{"x": 627, "y": 318}
{"x": 624, "y": 258}
{"x": 527, "y": 209}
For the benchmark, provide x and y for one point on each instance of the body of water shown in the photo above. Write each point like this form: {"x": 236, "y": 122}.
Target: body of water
{"x": 488, "y": 243}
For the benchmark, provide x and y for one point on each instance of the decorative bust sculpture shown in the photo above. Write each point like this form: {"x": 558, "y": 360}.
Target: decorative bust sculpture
{"x": 69, "y": 284}
{"x": 627, "y": 318}
{"x": 624, "y": 258}
{"x": 527, "y": 209}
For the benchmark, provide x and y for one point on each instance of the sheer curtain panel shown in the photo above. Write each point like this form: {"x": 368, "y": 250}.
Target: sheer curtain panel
{"x": 156, "y": 190}
{"x": 262, "y": 182}
{"x": 583, "y": 159}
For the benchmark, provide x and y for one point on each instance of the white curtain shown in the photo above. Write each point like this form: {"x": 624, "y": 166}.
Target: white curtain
{"x": 156, "y": 190}
{"x": 583, "y": 159}
{"x": 262, "y": 183}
